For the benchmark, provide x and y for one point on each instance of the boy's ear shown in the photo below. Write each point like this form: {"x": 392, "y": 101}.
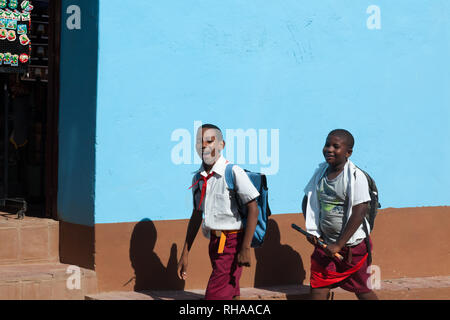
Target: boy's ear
{"x": 349, "y": 152}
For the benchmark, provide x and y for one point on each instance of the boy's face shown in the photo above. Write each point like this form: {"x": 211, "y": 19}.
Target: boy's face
{"x": 208, "y": 145}
{"x": 336, "y": 151}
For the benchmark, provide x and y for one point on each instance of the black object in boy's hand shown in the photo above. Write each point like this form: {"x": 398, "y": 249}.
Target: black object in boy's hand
{"x": 309, "y": 236}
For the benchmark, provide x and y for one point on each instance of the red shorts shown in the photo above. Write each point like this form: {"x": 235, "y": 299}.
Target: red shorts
{"x": 331, "y": 272}
{"x": 223, "y": 283}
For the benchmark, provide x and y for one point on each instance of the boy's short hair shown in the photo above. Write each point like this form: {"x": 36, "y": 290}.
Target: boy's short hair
{"x": 211, "y": 126}
{"x": 345, "y": 135}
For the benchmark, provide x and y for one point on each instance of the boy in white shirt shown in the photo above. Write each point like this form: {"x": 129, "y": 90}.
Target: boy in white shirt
{"x": 335, "y": 203}
{"x": 229, "y": 247}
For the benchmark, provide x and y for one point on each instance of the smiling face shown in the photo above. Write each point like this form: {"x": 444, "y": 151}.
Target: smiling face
{"x": 336, "y": 150}
{"x": 209, "y": 145}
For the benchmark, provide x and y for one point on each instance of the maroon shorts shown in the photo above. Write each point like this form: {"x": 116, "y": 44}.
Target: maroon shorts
{"x": 331, "y": 272}
{"x": 223, "y": 283}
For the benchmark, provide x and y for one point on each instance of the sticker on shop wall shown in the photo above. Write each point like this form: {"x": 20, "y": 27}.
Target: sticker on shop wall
{"x": 11, "y": 24}
{"x": 24, "y": 40}
{"x": 11, "y": 35}
{"x": 2, "y": 55}
{"x": 7, "y": 58}
{"x": 3, "y": 34}
{"x": 23, "y": 58}
{"x": 22, "y": 29}
{"x": 3, "y": 3}
{"x": 13, "y": 4}
{"x": 25, "y": 16}
{"x": 15, "y": 60}
{"x": 3, "y": 22}
{"x": 27, "y": 6}
{"x": 16, "y": 15}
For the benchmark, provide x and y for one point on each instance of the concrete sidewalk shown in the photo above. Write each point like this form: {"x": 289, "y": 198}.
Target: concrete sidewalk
{"x": 428, "y": 288}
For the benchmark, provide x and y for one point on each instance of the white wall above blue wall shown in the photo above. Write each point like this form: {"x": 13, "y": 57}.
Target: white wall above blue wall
{"x": 299, "y": 68}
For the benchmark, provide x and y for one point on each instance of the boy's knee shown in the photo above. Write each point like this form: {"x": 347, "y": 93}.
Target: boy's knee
{"x": 320, "y": 293}
{"x": 370, "y": 295}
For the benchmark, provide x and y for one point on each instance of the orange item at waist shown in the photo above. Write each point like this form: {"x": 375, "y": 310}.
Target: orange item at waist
{"x": 218, "y": 233}
{"x": 222, "y": 234}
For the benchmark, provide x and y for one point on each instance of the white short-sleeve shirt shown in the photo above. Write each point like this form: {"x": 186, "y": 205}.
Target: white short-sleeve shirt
{"x": 219, "y": 206}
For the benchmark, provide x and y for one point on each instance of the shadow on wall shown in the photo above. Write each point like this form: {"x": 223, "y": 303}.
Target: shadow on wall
{"x": 149, "y": 271}
{"x": 276, "y": 263}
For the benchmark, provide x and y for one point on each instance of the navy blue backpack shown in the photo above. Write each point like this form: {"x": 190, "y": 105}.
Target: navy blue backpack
{"x": 259, "y": 180}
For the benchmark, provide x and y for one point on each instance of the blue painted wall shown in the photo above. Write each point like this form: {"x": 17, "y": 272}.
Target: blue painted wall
{"x": 300, "y": 67}
{"x": 77, "y": 110}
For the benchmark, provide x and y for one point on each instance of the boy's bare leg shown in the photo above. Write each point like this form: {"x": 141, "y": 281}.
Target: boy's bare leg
{"x": 367, "y": 296}
{"x": 319, "y": 293}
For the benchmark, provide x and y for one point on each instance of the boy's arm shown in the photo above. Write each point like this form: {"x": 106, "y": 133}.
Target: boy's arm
{"x": 252, "y": 220}
{"x": 192, "y": 230}
{"x": 312, "y": 239}
{"x": 304, "y": 202}
{"x": 356, "y": 219}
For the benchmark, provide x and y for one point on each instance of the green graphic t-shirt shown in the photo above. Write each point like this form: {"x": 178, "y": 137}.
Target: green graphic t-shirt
{"x": 332, "y": 194}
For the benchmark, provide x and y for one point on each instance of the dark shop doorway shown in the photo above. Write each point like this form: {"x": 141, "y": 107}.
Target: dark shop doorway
{"x": 29, "y": 122}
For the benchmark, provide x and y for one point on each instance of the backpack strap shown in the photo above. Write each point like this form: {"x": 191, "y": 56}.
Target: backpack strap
{"x": 229, "y": 179}
{"x": 366, "y": 239}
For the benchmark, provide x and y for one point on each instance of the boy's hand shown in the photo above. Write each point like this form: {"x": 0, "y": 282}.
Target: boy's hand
{"x": 332, "y": 249}
{"x": 193, "y": 226}
{"x": 244, "y": 258}
{"x": 313, "y": 240}
{"x": 252, "y": 219}
{"x": 182, "y": 267}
